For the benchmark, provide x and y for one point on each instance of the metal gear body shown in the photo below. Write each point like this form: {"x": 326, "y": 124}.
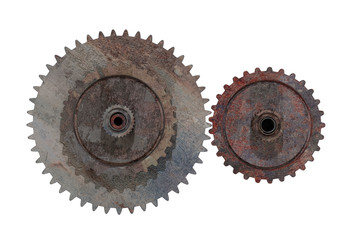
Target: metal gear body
{"x": 119, "y": 121}
{"x": 266, "y": 125}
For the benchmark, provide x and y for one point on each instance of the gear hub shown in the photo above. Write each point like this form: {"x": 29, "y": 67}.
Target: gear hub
{"x": 266, "y": 125}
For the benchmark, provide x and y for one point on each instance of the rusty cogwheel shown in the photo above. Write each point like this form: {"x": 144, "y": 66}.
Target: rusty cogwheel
{"x": 119, "y": 121}
{"x": 266, "y": 125}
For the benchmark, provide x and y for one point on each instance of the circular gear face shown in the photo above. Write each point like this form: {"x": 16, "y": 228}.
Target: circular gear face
{"x": 266, "y": 125}
{"x": 119, "y": 122}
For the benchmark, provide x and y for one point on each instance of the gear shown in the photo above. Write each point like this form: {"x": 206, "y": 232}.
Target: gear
{"x": 119, "y": 121}
{"x": 266, "y": 125}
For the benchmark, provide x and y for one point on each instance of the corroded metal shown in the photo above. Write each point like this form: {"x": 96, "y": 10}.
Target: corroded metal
{"x": 266, "y": 125}
{"x": 119, "y": 122}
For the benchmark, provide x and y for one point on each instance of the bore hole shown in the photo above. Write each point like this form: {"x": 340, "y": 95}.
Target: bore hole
{"x": 118, "y": 121}
{"x": 267, "y": 125}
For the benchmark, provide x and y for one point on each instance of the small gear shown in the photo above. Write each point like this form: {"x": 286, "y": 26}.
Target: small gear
{"x": 266, "y": 125}
{"x": 119, "y": 121}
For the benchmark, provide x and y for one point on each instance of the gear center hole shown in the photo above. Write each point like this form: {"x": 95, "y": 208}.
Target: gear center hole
{"x": 267, "y": 125}
{"x": 118, "y": 121}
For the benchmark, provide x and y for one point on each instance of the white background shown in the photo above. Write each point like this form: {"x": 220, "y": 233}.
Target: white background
{"x": 317, "y": 40}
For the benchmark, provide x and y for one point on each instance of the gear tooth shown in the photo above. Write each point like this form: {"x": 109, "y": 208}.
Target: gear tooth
{"x": 321, "y": 137}
{"x": 113, "y": 33}
{"x": 281, "y": 71}
{"x": 185, "y": 181}
{"x": 35, "y": 149}
{"x": 58, "y": 58}
{"x": 155, "y": 202}
{"x": 38, "y": 160}
{"x": 235, "y": 170}
{"x": 52, "y": 181}
{"x": 171, "y": 50}
{"x": 176, "y": 189}
{"x": 207, "y": 112}
{"x": 45, "y": 171}
{"x": 269, "y": 181}
{"x": 212, "y": 131}
{"x": 149, "y": 38}
{"x": 31, "y": 112}
{"x": 143, "y": 207}
{"x": 30, "y": 124}
{"x": 321, "y": 113}
{"x": 269, "y": 69}
{"x": 67, "y": 50}
{"x": 211, "y": 119}
{"x": 31, "y": 137}
{"x": 245, "y": 73}
{"x": 257, "y": 70}
{"x": 303, "y": 167}
{"x": 166, "y": 197}
{"x": 218, "y": 96}
{"x": 281, "y": 179}
{"x": 192, "y": 171}
{"x": 181, "y": 58}
{"x": 302, "y": 82}
{"x": 311, "y": 158}
{"x": 42, "y": 77}
{"x": 322, "y": 125}
{"x": 311, "y": 91}
{"x": 32, "y": 100}
{"x": 197, "y": 77}
{"x": 213, "y": 107}
{"x": 257, "y": 179}
{"x": 101, "y": 35}
{"x": 226, "y": 87}
{"x": 292, "y": 76}
{"x": 89, "y": 38}
{"x": 161, "y": 43}
{"x": 125, "y": 33}
{"x": 219, "y": 154}
{"x": 317, "y": 101}
{"x": 188, "y": 68}
{"x": 246, "y": 177}
{"x": 49, "y": 67}
{"x": 77, "y": 43}
{"x": 106, "y": 210}
{"x": 198, "y": 160}
{"x": 293, "y": 174}
{"x": 138, "y": 35}
{"x": 207, "y": 125}
{"x": 37, "y": 88}
{"x": 206, "y": 137}
{"x": 203, "y": 149}
{"x": 94, "y": 207}
{"x": 201, "y": 89}
{"x": 62, "y": 189}
{"x": 317, "y": 148}
{"x": 72, "y": 196}
{"x": 226, "y": 163}
{"x": 118, "y": 210}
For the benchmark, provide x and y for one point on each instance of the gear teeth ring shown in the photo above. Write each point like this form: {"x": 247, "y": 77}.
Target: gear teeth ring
{"x": 266, "y": 125}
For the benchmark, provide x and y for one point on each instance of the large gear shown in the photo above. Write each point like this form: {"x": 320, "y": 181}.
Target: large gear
{"x": 119, "y": 121}
{"x": 266, "y": 125}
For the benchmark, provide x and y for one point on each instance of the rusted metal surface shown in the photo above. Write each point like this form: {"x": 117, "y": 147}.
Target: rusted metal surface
{"x": 119, "y": 122}
{"x": 266, "y": 125}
